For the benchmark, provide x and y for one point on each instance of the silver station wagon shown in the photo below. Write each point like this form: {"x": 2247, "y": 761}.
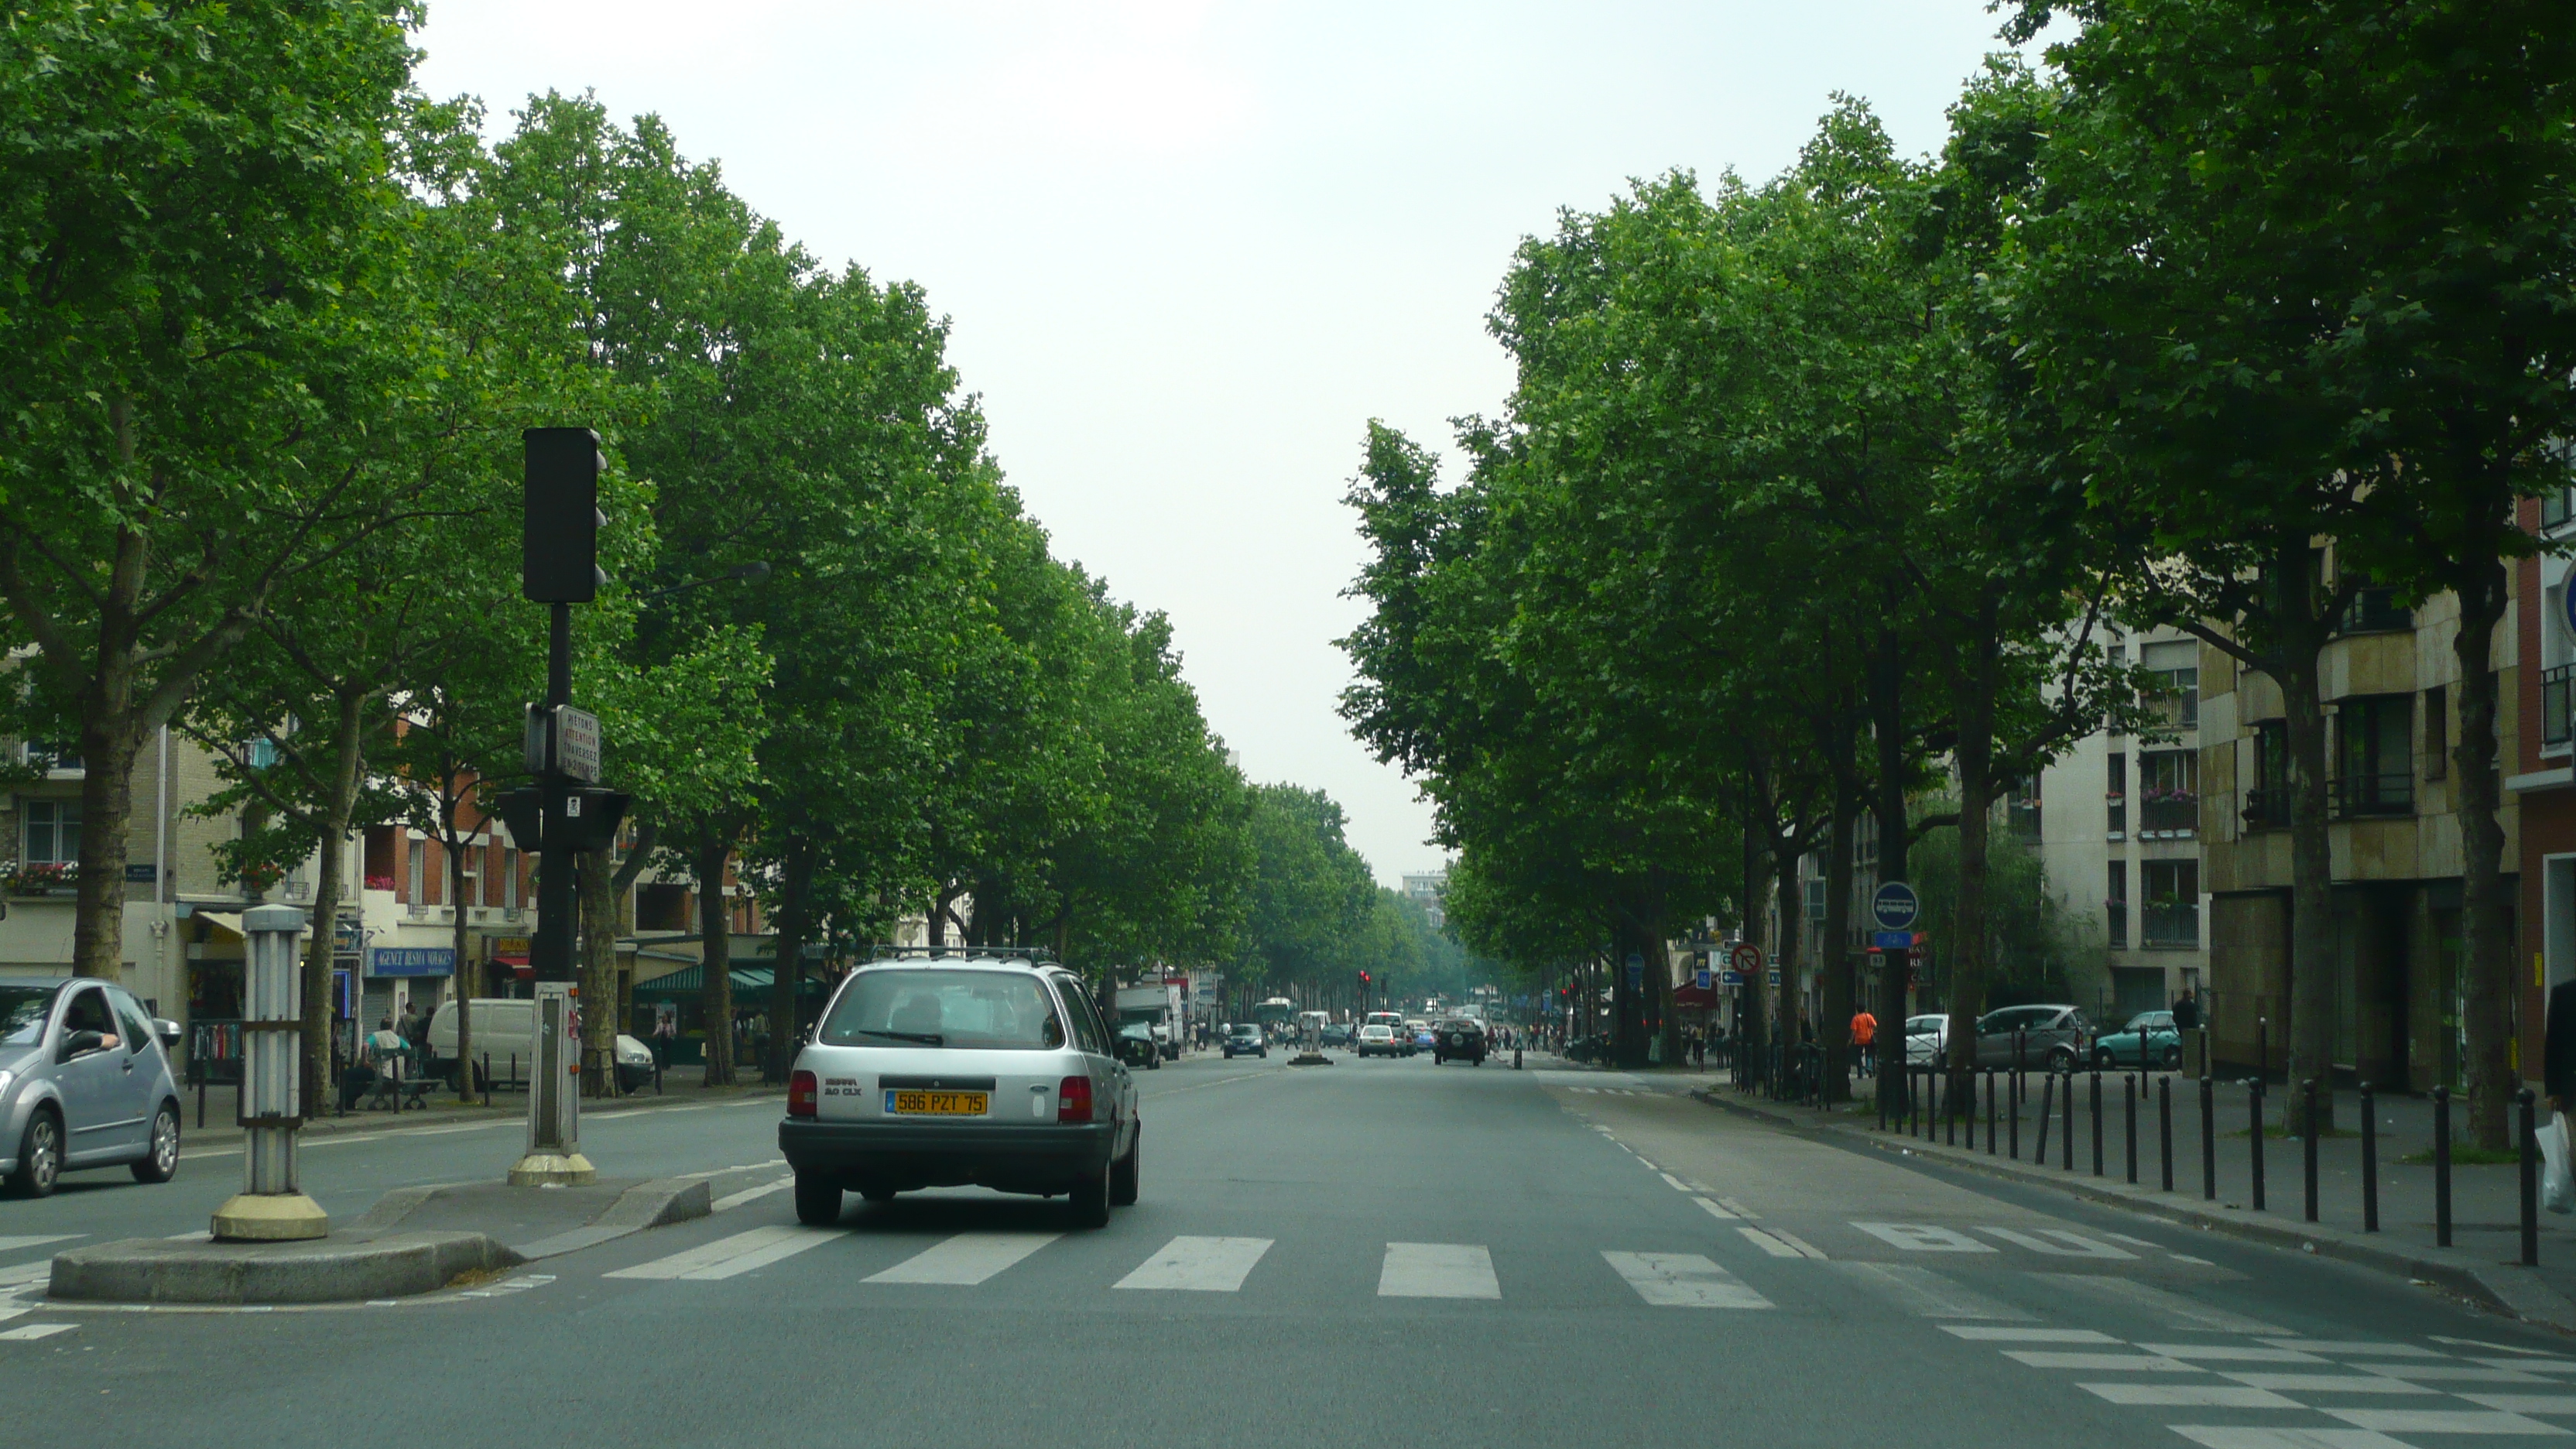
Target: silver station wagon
{"x": 957, "y": 1071}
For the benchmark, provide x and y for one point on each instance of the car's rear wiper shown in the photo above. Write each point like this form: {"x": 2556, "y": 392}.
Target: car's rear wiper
{"x": 926, "y": 1038}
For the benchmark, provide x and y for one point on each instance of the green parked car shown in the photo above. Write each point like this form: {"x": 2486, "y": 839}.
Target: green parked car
{"x": 2149, "y": 1040}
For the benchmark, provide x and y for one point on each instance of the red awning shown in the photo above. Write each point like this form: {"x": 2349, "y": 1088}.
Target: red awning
{"x": 517, "y": 961}
{"x": 1693, "y": 996}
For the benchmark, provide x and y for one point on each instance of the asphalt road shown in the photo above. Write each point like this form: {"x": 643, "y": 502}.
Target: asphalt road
{"x": 1364, "y": 1254}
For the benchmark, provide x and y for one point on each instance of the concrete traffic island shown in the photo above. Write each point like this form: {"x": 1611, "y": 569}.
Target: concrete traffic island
{"x": 416, "y": 1240}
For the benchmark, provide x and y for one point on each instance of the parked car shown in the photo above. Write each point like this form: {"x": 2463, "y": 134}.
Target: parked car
{"x": 2052, "y": 1037}
{"x": 1246, "y": 1039}
{"x": 504, "y": 1044}
{"x": 84, "y": 1082}
{"x": 1138, "y": 1047}
{"x": 1461, "y": 1037}
{"x": 1926, "y": 1039}
{"x": 2149, "y": 1040}
{"x": 984, "y": 1071}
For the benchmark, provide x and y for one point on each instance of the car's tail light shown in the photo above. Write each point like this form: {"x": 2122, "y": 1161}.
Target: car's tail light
{"x": 800, "y": 1094}
{"x": 1073, "y": 1100}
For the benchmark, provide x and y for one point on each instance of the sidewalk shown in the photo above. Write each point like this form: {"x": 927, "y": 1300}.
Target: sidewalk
{"x": 679, "y": 1088}
{"x": 2483, "y": 1264}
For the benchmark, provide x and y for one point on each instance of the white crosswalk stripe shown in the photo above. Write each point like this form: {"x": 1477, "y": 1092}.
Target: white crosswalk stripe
{"x": 2197, "y": 1396}
{"x": 1924, "y": 1238}
{"x": 30, "y": 1331}
{"x": 966, "y": 1259}
{"x": 1683, "y": 1280}
{"x": 1437, "y": 1270}
{"x": 726, "y": 1257}
{"x": 1199, "y": 1265}
{"x": 2246, "y": 1436}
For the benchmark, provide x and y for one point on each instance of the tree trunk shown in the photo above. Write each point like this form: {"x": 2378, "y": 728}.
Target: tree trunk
{"x": 469, "y": 981}
{"x": 2310, "y": 1032}
{"x": 1833, "y": 953}
{"x": 109, "y": 747}
{"x": 1887, "y": 718}
{"x": 2492, "y": 986}
{"x": 795, "y": 922}
{"x": 321, "y": 947}
{"x": 1974, "y": 758}
{"x": 599, "y": 1023}
{"x": 716, "y": 993}
{"x": 1759, "y": 874}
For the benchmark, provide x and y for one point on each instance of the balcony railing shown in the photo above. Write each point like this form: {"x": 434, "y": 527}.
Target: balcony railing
{"x": 2116, "y": 922}
{"x": 2384, "y": 793}
{"x": 2264, "y": 809}
{"x": 2173, "y": 926}
{"x": 2554, "y": 701}
{"x": 2022, "y": 818}
{"x": 2375, "y": 611}
{"x": 2168, "y": 817}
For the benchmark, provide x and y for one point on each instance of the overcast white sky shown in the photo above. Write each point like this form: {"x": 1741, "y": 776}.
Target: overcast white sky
{"x": 1188, "y": 250}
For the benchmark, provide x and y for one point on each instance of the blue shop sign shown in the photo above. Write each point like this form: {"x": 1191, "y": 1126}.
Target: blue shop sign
{"x": 411, "y": 960}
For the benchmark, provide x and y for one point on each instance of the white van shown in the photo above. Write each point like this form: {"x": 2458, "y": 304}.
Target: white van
{"x": 504, "y": 1038}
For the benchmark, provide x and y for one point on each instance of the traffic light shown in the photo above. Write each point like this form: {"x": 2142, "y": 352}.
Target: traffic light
{"x": 559, "y": 516}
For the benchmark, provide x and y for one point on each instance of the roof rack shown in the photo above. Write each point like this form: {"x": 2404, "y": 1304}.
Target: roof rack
{"x": 881, "y": 950}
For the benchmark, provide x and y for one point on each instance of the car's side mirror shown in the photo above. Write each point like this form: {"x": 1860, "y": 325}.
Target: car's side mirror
{"x": 81, "y": 1041}
{"x": 166, "y": 1029}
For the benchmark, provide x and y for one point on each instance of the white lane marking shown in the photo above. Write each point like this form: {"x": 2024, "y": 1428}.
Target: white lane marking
{"x": 2208, "y": 1396}
{"x": 1924, "y": 1238}
{"x": 1437, "y": 1270}
{"x": 2231, "y": 1353}
{"x": 723, "y": 1250}
{"x": 733, "y": 1200}
{"x": 2523, "y": 1403}
{"x": 2338, "y": 1384}
{"x": 2499, "y": 1347}
{"x": 1198, "y": 1265}
{"x": 1779, "y": 1244}
{"x": 2136, "y": 1363}
{"x": 2064, "y": 1245}
{"x": 2450, "y": 1373}
{"x": 2188, "y": 1258}
{"x": 1926, "y": 1294}
{"x": 27, "y": 1332}
{"x": 1719, "y": 1213}
{"x": 1650, "y": 1167}
{"x": 1978, "y": 1334}
{"x": 1683, "y": 1280}
{"x": 2238, "y": 1436}
{"x": 2530, "y": 1365}
{"x": 2355, "y": 1349}
{"x": 2444, "y": 1421}
{"x": 964, "y": 1260}
{"x": 1675, "y": 1183}
{"x": 1740, "y": 1210}
{"x": 36, "y": 1240}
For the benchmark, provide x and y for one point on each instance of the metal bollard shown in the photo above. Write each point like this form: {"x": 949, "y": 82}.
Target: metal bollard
{"x": 2442, "y": 1167}
{"x": 2164, "y": 1128}
{"x": 1950, "y": 1112}
{"x": 2012, "y": 1103}
{"x": 2369, "y": 1161}
{"x": 2208, "y": 1139}
{"x": 2097, "y": 1121}
{"x": 2530, "y": 1181}
{"x": 1990, "y": 1111}
{"x": 2047, "y": 1099}
{"x": 2129, "y": 1112}
{"x": 2308, "y": 1144}
{"x": 2066, "y": 1140}
{"x": 2254, "y": 1104}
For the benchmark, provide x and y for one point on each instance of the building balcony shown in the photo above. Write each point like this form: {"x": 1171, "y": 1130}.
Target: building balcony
{"x": 2375, "y": 796}
{"x": 2263, "y": 809}
{"x": 2171, "y": 927}
{"x": 2174, "y": 816}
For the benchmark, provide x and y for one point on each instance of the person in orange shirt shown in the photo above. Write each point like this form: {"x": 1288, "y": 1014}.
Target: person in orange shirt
{"x": 1864, "y": 1036}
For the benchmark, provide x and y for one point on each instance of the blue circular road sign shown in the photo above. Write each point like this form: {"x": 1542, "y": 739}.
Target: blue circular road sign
{"x": 1895, "y": 906}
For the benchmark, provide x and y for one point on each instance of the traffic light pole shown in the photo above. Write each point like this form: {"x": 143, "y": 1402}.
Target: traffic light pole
{"x": 554, "y": 1153}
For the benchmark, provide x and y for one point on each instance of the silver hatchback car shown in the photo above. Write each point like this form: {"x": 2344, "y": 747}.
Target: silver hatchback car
{"x": 951, "y": 1071}
{"x": 84, "y": 1082}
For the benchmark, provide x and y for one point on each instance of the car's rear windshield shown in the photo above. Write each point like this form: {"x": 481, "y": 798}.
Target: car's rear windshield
{"x": 22, "y": 1013}
{"x": 934, "y": 1008}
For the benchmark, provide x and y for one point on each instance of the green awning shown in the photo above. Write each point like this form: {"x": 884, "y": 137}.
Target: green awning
{"x": 690, "y": 980}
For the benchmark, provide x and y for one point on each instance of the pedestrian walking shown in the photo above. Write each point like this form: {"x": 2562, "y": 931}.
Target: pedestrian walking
{"x": 2558, "y": 1047}
{"x": 1864, "y": 1038}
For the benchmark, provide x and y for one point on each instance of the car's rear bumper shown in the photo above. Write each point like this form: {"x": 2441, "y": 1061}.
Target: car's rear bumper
{"x": 906, "y": 1155}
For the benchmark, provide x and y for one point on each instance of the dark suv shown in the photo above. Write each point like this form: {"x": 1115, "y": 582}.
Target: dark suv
{"x": 1460, "y": 1036}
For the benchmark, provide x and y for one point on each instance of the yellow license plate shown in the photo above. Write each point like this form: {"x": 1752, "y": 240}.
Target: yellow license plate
{"x": 935, "y": 1104}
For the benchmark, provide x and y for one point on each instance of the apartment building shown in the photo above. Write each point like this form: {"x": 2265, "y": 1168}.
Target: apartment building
{"x": 2390, "y": 681}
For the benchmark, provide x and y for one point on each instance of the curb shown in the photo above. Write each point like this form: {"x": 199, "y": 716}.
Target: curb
{"x": 154, "y": 1270}
{"x": 2501, "y": 1288}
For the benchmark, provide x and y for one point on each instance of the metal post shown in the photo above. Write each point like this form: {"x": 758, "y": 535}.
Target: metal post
{"x": 2369, "y": 1161}
{"x": 2530, "y": 1181}
{"x": 2047, "y": 1098}
{"x": 1950, "y": 1110}
{"x": 1990, "y": 1111}
{"x": 2066, "y": 1139}
{"x": 271, "y": 1207}
{"x": 2254, "y": 1108}
{"x": 2208, "y": 1139}
{"x": 2442, "y": 1167}
{"x": 2308, "y": 1146}
{"x": 2012, "y": 1104}
{"x": 2129, "y": 1113}
{"x": 2097, "y": 1122}
{"x": 2164, "y": 1130}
